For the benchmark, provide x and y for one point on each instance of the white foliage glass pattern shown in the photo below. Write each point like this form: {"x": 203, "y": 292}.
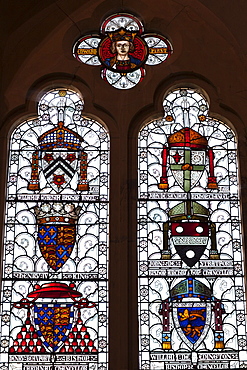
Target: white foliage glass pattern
{"x": 190, "y": 257}
{"x": 54, "y": 308}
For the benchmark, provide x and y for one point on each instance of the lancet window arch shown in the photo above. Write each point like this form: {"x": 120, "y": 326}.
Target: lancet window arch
{"x": 54, "y": 301}
{"x": 190, "y": 257}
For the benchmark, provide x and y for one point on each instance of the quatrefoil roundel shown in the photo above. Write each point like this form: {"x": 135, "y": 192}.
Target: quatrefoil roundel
{"x": 122, "y": 50}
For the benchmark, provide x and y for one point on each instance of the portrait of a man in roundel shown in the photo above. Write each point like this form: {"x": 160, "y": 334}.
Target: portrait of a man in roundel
{"x": 123, "y": 51}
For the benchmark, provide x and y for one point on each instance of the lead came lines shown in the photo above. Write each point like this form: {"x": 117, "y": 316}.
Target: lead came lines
{"x": 44, "y": 253}
{"x": 189, "y": 276}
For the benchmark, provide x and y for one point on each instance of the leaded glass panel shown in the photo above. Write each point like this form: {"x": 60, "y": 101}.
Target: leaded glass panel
{"x": 190, "y": 257}
{"x": 54, "y": 308}
{"x": 122, "y": 50}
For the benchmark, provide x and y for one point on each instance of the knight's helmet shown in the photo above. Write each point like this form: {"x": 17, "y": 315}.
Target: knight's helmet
{"x": 60, "y": 150}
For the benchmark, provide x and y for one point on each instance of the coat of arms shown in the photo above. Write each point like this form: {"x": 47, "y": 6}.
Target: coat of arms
{"x": 190, "y": 305}
{"x": 60, "y": 158}
{"x": 55, "y": 323}
{"x": 189, "y": 227}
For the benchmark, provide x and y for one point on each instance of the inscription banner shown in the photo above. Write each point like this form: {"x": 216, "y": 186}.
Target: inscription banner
{"x": 47, "y": 358}
{"x": 45, "y": 275}
{"x": 55, "y": 367}
{"x": 54, "y": 293}
{"x": 58, "y": 197}
{"x": 201, "y": 196}
{"x": 194, "y": 272}
{"x": 192, "y": 310}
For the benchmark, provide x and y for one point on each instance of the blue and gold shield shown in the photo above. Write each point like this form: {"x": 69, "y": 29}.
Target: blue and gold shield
{"x": 192, "y": 321}
{"x": 56, "y": 243}
{"x": 53, "y": 324}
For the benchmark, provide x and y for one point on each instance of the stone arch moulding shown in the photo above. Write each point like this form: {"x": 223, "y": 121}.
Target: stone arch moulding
{"x": 218, "y": 106}
{"x": 54, "y": 296}
{"x": 25, "y": 105}
{"x": 190, "y": 254}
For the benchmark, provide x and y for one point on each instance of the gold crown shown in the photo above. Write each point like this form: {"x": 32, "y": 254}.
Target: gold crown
{"x": 57, "y": 212}
{"x": 122, "y": 35}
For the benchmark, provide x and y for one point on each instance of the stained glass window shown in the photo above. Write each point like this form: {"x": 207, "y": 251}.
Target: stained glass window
{"x": 191, "y": 279}
{"x": 122, "y": 50}
{"x": 54, "y": 290}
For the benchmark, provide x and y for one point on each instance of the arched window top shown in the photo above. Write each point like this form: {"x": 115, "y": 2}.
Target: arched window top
{"x": 54, "y": 291}
{"x": 61, "y": 105}
{"x": 60, "y": 125}
{"x": 191, "y": 279}
{"x": 186, "y": 123}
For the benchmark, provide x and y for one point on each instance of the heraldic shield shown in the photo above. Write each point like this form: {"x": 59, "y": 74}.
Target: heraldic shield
{"x": 187, "y": 152}
{"x": 192, "y": 320}
{"x": 191, "y": 310}
{"x": 56, "y": 243}
{"x": 60, "y": 158}
{"x": 189, "y": 230}
{"x": 56, "y": 232}
{"x": 54, "y": 326}
{"x": 59, "y": 167}
{"x": 191, "y": 305}
{"x": 187, "y": 157}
